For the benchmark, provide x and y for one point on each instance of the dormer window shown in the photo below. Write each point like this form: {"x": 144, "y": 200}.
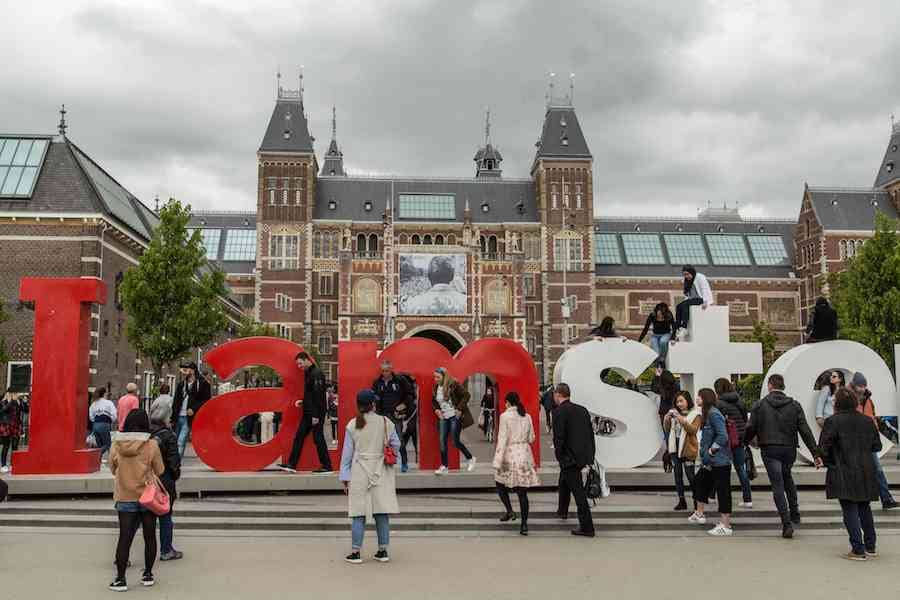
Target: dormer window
{"x": 889, "y": 167}
{"x": 562, "y": 121}
{"x": 485, "y": 207}
{"x": 720, "y": 228}
{"x": 368, "y": 205}
{"x": 893, "y": 147}
{"x": 332, "y": 171}
{"x": 287, "y": 134}
{"x": 565, "y": 140}
{"x": 287, "y": 116}
{"x": 332, "y": 204}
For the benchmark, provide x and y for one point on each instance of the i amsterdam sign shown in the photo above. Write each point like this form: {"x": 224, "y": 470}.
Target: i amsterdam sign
{"x": 60, "y": 367}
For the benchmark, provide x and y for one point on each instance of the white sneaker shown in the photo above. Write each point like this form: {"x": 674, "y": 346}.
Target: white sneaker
{"x": 442, "y": 470}
{"x": 470, "y": 466}
{"x": 697, "y": 519}
{"x": 4, "y": 469}
{"x": 745, "y": 504}
{"x": 720, "y": 531}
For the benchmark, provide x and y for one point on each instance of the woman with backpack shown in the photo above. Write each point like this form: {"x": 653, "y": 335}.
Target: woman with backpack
{"x": 160, "y": 417}
{"x": 367, "y": 472}
{"x": 681, "y": 424}
{"x": 735, "y": 416}
{"x": 715, "y": 472}
{"x": 513, "y": 462}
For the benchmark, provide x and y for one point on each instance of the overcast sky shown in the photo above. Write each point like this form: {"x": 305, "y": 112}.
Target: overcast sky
{"x": 682, "y": 103}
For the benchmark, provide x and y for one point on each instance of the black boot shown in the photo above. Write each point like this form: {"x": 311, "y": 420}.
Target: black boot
{"x": 510, "y": 516}
{"x": 523, "y": 528}
{"x": 682, "y": 504}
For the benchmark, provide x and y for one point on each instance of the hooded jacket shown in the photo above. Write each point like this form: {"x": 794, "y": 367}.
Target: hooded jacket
{"x": 823, "y": 324}
{"x": 134, "y": 458}
{"x": 730, "y": 405}
{"x": 776, "y": 420}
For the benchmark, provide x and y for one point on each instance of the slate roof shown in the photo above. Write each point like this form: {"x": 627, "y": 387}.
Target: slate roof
{"x": 70, "y": 181}
{"x": 849, "y": 209}
{"x": 502, "y": 197}
{"x": 333, "y": 161}
{"x": 785, "y": 229}
{"x": 890, "y": 166}
{"x": 561, "y": 123}
{"x": 287, "y": 119}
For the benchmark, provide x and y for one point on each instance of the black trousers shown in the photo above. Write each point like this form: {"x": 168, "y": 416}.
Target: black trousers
{"x": 718, "y": 480}
{"x": 128, "y": 526}
{"x": 683, "y": 311}
{"x": 318, "y": 433}
{"x": 779, "y": 460}
{"x": 410, "y": 433}
{"x": 682, "y": 468}
{"x": 571, "y": 484}
{"x": 6, "y": 443}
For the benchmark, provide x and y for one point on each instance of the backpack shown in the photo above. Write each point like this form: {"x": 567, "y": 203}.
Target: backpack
{"x": 734, "y": 440}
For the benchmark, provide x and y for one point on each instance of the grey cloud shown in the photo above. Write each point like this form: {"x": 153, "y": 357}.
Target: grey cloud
{"x": 682, "y": 103}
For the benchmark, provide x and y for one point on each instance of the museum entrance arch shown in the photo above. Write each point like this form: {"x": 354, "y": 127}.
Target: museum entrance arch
{"x": 444, "y": 336}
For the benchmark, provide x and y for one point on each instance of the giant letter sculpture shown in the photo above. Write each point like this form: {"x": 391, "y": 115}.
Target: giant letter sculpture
{"x": 801, "y": 365}
{"x": 212, "y": 432}
{"x": 637, "y": 436}
{"x": 60, "y": 358}
{"x": 707, "y": 353}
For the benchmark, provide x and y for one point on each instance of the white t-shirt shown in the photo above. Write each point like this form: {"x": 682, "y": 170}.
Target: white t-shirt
{"x": 447, "y": 409}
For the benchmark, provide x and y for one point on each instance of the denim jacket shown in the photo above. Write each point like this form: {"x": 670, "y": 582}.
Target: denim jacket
{"x": 715, "y": 435}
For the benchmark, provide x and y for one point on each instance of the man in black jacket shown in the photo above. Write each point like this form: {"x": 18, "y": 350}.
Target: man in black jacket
{"x": 313, "y": 419}
{"x": 823, "y": 323}
{"x": 573, "y": 442}
{"x": 192, "y": 392}
{"x": 393, "y": 392}
{"x": 775, "y": 422}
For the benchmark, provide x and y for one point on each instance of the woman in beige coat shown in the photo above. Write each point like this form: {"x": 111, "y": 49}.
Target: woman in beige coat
{"x": 368, "y": 481}
{"x": 513, "y": 461}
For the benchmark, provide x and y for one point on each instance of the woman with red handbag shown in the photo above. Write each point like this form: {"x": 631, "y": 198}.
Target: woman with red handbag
{"x": 367, "y": 471}
{"x": 134, "y": 461}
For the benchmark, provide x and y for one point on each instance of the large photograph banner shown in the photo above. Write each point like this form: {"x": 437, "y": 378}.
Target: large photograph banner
{"x": 433, "y": 284}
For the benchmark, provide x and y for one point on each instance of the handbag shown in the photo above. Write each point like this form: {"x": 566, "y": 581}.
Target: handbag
{"x": 155, "y": 498}
{"x": 91, "y": 441}
{"x": 390, "y": 456}
{"x": 750, "y": 464}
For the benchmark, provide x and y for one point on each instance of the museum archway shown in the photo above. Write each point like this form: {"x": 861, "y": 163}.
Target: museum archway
{"x": 446, "y": 338}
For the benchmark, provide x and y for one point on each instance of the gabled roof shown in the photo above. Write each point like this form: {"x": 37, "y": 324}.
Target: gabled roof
{"x": 288, "y": 130}
{"x": 70, "y": 181}
{"x": 350, "y": 194}
{"x": 890, "y": 166}
{"x": 849, "y": 209}
{"x": 561, "y": 136}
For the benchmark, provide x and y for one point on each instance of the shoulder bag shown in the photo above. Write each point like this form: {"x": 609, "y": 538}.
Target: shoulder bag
{"x": 390, "y": 456}
{"x": 155, "y": 497}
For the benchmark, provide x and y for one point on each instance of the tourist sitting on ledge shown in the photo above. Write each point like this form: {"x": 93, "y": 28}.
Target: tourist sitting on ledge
{"x": 696, "y": 293}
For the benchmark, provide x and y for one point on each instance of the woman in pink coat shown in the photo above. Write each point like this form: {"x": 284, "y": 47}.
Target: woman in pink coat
{"x": 513, "y": 461}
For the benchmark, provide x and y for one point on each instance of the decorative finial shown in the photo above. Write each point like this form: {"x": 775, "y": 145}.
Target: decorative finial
{"x": 572, "y": 89}
{"x": 62, "y": 120}
{"x": 550, "y": 88}
{"x": 301, "y": 84}
{"x": 487, "y": 126}
{"x": 156, "y": 203}
{"x": 333, "y": 122}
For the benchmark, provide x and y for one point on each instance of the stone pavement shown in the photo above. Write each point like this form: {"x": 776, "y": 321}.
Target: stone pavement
{"x": 76, "y": 566}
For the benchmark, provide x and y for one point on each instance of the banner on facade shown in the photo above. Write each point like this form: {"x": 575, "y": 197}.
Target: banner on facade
{"x": 432, "y": 284}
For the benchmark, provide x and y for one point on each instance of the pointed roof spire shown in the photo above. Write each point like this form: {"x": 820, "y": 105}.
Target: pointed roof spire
{"x": 62, "y": 120}
{"x": 572, "y": 89}
{"x": 334, "y": 158}
{"x": 301, "y": 84}
{"x": 278, "y": 83}
{"x": 487, "y": 126}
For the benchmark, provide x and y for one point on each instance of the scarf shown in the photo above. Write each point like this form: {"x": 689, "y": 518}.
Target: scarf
{"x": 678, "y": 433}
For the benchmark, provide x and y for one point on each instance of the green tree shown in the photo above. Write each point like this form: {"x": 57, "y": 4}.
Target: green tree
{"x": 251, "y": 328}
{"x": 750, "y": 386}
{"x": 867, "y": 294}
{"x": 173, "y": 297}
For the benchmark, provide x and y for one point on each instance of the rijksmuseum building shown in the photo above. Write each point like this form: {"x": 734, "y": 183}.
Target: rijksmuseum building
{"x": 327, "y": 256}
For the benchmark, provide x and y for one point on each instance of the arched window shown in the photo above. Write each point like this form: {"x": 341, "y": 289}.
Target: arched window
{"x": 843, "y": 248}
{"x": 492, "y": 245}
{"x": 367, "y": 296}
{"x": 402, "y": 239}
{"x": 482, "y": 241}
{"x": 373, "y": 244}
{"x": 415, "y": 239}
{"x": 361, "y": 243}
{"x": 439, "y": 240}
{"x": 427, "y": 239}
{"x": 451, "y": 239}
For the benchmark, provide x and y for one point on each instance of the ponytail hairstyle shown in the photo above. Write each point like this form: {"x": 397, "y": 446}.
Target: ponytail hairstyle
{"x": 364, "y": 402}
{"x": 513, "y": 399}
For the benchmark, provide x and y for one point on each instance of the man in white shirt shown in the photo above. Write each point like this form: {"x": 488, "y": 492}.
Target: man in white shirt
{"x": 696, "y": 293}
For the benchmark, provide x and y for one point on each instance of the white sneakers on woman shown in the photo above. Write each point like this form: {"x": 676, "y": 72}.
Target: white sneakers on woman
{"x": 470, "y": 466}
{"x": 442, "y": 470}
{"x": 721, "y": 531}
{"x": 697, "y": 519}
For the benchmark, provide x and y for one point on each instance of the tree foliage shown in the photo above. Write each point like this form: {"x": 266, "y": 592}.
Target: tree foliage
{"x": 251, "y": 328}
{"x": 173, "y": 297}
{"x": 750, "y": 386}
{"x": 867, "y": 294}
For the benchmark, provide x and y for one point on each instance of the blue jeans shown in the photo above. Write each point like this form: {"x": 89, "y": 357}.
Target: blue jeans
{"x": 183, "y": 430}
{"x": 860, "y": 525}
{"x": 452, "y": 427}
{"x": 660, "y": 345}
{"x": 102, "y": 434}
{"x": 166, "y": 528}
{"x": 884, "y": 489}
{"x": 739, "y": 459}
{"x": 382, "y": 528}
